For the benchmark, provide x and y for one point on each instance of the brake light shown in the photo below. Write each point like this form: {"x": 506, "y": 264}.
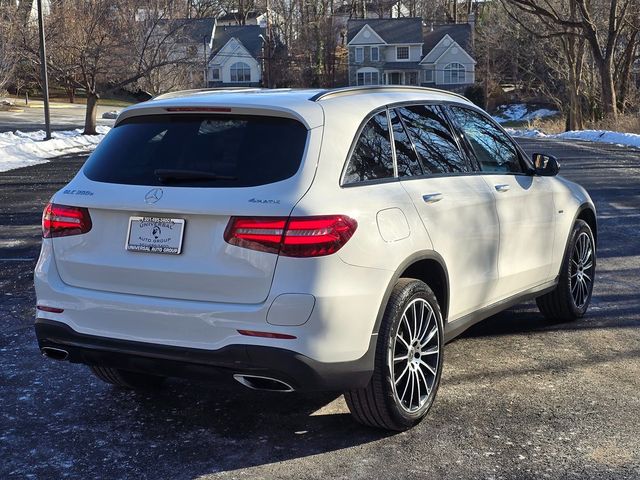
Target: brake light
{"x": 63, "y": 221}
{"x": 293, "y": 236}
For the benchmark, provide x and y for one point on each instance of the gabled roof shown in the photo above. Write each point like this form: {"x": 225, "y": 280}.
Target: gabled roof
{"x": 191, "y": 30}
{"x": 248, "y": 35}
{"x": 459, "y": 33}
{"x": 392, "y": 30}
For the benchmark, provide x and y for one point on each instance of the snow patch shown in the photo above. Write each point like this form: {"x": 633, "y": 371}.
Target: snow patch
{"x": 22, "y": 149}
{"x": 529, "y": 133}
{"x": 519, "y": 112}
{"x": 601, "y": 136}
{"x": 604, "y": 136}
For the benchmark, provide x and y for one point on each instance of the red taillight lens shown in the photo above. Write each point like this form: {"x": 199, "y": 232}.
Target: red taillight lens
{"x": 62, "y": 221}
{"x": 259, "y": 233}
{"x": 291, "y": 237}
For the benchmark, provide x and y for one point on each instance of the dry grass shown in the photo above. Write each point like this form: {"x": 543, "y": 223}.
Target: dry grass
{"x": 628, "y": 123}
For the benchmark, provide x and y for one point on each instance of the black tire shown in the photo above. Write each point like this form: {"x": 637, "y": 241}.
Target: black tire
{"x": 127, "y": 379}
{"x": 560, "y": 305}
{"x": 378, "y": 404}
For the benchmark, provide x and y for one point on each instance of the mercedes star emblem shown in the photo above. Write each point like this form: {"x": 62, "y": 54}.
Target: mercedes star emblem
{"x": 153, "y": 195}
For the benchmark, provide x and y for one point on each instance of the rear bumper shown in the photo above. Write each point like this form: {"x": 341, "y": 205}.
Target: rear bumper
{"x": 299, "y": 371}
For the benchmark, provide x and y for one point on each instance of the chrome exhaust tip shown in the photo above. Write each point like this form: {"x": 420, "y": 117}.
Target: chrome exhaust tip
{"x": 256, "y": 382}
{"x": 54, "y": 353}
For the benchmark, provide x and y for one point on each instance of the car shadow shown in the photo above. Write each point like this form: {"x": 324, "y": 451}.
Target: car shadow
{"x": 208, "y": 429}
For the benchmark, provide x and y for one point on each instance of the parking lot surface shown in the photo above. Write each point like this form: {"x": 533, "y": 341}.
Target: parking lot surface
{"x": 520, "y": 398}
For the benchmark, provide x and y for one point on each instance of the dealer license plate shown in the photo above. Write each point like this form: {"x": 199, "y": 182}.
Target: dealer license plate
{"x": 155, "y": 235}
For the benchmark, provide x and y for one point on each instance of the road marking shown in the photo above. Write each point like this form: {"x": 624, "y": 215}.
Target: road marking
{"x": 17, "y": 259}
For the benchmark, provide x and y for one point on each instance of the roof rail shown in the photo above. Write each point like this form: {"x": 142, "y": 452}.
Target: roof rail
{"x": 338, "y": 92}
{"x": 183, "y": 93}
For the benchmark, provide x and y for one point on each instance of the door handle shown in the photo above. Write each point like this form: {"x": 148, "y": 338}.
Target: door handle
{"x": 502, "y": 187}
{"x": 432, "y": 197}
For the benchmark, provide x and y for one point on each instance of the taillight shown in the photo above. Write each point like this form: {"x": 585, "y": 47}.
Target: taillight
{"x": 293, "y": 236}
{"x": 62, "y": 221}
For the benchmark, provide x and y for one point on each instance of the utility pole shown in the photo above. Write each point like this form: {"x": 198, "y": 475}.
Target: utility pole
{"x": 43, "y": 73}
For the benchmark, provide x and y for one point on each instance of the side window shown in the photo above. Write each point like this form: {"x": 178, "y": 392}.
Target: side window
{"x": 408, "y": 164}
{"x": 371, "y": 158}
{"x": 493, "y": 149}
{"x": 433, "y": 138}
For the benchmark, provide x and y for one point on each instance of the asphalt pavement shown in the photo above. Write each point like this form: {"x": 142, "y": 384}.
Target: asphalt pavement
{"x": 520, "y": 398}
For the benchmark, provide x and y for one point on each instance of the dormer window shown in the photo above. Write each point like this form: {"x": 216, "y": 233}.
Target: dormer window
{"x": 359, "y": 54}
{"x": 402, "y": 53}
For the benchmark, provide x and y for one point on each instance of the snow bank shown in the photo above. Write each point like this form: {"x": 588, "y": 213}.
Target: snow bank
{"x": 605, "y": 136}
{"x": 519, "y": 112}
{"x": 22, "y": 149}
{"x": 602, "y": 136}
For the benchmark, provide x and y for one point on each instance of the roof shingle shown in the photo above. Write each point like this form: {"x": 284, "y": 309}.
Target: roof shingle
{"x": 392, "y": 30}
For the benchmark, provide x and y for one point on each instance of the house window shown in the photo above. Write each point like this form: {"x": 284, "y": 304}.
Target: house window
{"x": 375, "y": 54}
{"x": 428, "y": 76}
{"x": 240, "y": 72}
{"x": 359, "y": 54}
{"x": 368, "y": 76}
{"x": 411, "y": 78}
{"x": 215, "y": 73}
{"x": 454, "y": 73}
{"x": 402, "y": 53}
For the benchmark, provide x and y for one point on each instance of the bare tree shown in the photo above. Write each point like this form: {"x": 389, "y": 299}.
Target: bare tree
{"x": 8, "y": 54}
{"x": 599, "y": 21}
{"x": 101, "y": 46}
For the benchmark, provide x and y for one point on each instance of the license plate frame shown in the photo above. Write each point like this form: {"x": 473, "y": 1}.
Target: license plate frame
{"x": 166, "y": 240}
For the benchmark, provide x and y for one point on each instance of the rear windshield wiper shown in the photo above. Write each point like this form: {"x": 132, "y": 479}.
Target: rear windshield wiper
{"x": 170, "y": 175}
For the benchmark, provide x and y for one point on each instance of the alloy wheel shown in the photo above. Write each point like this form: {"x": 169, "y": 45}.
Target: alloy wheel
{"x": 415, "y": 355}
{"x": 581, "y": 270}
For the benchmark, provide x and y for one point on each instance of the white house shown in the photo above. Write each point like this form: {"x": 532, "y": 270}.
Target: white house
{"x": 402, "y": 51}
{"x": 235, "y": 58}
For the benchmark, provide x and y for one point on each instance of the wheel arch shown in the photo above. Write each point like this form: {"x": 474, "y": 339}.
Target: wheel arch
{"x": 427, "y": 266}
{"x": 587, "y": 213}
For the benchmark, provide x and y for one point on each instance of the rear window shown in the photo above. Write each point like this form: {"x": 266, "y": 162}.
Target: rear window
{"x": 199, "y": 151}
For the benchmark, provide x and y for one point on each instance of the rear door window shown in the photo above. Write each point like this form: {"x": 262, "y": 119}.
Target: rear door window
{"x": 200, "y": 150}
{"x": 433, "y": 139}
{"x": 372, "y": 158}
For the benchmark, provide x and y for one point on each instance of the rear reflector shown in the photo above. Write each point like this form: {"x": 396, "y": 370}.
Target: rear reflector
{"x": 252, "y": 333}
{"x": 63, "y": 221}
{"x": 293, "y": 236}
{"x": 50, "y": 309}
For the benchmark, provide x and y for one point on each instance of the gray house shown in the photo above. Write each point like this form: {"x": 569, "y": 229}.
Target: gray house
{"x": 401, "y": 51}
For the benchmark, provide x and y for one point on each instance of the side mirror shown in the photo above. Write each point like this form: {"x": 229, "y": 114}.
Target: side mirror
{"x": 546, "y": 165}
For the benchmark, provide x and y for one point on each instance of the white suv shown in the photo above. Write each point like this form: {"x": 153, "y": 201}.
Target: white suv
{"x": 305, "y": 240}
